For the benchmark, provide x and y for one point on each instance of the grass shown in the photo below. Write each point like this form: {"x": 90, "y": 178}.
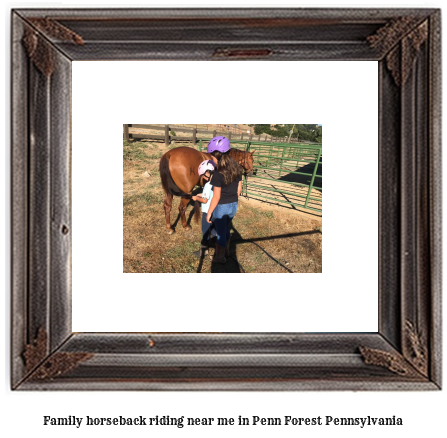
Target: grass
{"x": 155, "y": 156}
{"x": 146, "y": 198}
{"x": 134, "y": 151}
{"x": 148, "y": 248}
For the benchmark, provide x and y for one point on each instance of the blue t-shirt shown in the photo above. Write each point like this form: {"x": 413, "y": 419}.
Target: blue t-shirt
{"x": 208, "y": 194}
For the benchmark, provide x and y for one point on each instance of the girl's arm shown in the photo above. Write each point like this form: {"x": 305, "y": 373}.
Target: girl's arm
{"x": 213, "y": 204}
{"x": 239, "y": 188}
{"x": 199, "y": 199}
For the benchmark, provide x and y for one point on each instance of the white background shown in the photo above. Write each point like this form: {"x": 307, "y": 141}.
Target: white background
{"x": 21, "y": 413}
{"x": 339, "y": 300}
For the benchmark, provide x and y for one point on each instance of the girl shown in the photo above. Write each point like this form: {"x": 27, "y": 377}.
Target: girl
{"x": 206, "y": 169}
{"x": 227, "y": 183}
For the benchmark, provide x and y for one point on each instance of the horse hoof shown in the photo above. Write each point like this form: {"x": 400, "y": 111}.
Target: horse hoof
{"x": 187, "y": 228}
{"x": 171, "y": 231}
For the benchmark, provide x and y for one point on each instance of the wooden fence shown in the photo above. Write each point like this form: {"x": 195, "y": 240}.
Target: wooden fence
{"x": 233, "y": 128}
{"x": 193, "y": 134}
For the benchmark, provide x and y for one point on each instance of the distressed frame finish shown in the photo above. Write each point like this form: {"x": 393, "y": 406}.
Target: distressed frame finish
{"x": 405, "y": 354}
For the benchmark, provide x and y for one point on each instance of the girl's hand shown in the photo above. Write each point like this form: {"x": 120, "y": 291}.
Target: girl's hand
{"x": 194, "y": 198}
{"x": 208, "y": 218}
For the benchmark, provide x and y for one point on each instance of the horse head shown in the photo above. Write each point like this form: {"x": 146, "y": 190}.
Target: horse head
{"x": 245, "y": 159}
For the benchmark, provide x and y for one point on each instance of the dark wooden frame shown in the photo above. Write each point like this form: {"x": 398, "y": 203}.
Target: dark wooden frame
{"x": 405, "y": 354}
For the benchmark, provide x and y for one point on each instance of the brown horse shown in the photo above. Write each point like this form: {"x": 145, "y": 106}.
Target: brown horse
{"x": 179, "y": 175}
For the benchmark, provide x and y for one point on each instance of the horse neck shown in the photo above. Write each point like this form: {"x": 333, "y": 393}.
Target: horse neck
{"x": 239, "y": 156}
{"x": 206, "y": 156}
{"x": 209, "y": 157}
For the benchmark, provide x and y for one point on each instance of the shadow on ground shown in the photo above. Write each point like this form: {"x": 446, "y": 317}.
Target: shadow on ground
{"x": 305, "y": 179}
{"x": 232, "y": 265}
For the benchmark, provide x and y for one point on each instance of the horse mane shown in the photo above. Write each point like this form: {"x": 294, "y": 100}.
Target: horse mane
{"x": 237, "y": 153}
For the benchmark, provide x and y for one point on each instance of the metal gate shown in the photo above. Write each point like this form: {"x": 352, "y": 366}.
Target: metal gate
{"x": 284, "y": 173}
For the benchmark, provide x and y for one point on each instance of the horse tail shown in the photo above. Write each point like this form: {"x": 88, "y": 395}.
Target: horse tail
{"x": 165, "y": 175}
{"x": 196, "y": 211}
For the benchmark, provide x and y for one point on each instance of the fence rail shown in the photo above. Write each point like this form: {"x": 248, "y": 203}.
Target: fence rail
{"x": 233, "y": 128}
{"x": 195, "y": 134}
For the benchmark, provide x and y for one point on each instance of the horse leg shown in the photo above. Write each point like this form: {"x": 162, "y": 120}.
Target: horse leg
{"x": 182, "y": 208}
{"x": 167, "y": 206}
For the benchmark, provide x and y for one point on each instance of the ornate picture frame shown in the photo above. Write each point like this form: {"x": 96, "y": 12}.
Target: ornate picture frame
{"x": 405, "y": 353}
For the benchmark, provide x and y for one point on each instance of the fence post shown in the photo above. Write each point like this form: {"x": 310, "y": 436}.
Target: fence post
{"x": 194, "y": 136}
{"x": 313, "y": 177}
{"x": 270, "y": 155}
{"x": 282, "y": 161}
{"x": 229, "y": 136}
{"x": 126, "y": 132}
{"x": 167, "y": 135}
{"x": 244, "y": 176}
{"x": 214, "y": 133}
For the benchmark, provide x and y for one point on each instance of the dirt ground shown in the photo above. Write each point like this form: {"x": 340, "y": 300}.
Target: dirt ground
{"x": 265, "y": 237}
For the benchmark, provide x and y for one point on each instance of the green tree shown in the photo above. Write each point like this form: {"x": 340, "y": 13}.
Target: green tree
{"x": 310, "y": 132}
{"x": 307, "y": 132}
{"x": 262, "y": 129}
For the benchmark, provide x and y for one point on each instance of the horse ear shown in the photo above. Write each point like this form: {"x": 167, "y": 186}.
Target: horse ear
{"x": 252, "y": 152}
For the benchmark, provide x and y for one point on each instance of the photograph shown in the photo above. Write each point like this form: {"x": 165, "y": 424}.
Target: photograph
{"x": 234, "y": 198}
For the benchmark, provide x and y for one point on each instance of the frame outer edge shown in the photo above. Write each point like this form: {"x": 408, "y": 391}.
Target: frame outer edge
{"x": 350, "y": 13}
{"x": 417, "y": 326}
{"x": 19, "y": 200}
{"x": 44, "y": 288}
{"x": 435, "y": 138}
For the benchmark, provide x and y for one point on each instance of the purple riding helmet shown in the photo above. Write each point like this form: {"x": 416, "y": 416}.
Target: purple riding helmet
{"x": 221, "y": 144}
